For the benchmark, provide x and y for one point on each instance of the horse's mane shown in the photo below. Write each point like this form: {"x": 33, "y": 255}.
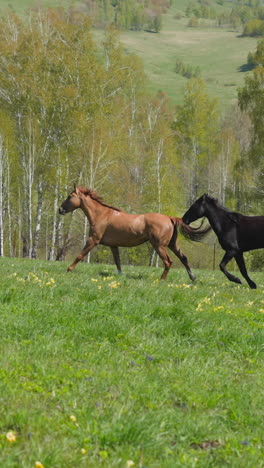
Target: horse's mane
{"x": 215, "y": 202}
{"x": 233, "y": 215}
{"x": 91, "y": 193}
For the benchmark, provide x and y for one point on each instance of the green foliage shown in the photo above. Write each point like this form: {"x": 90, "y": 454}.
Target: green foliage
{"x": 201, "y": 9}
{"x": 254, "y": 28}
{"x": 187, "y": 70}
{"x": 251, "y": 99}
{"x": 257, "y": 58}
{"x": 196, "y": 127}
{"x": 97, "y": 370}
{"x": 125, "y": 14}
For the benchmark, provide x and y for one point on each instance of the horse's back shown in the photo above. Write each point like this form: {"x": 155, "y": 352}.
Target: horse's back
{"x": 251, "y": 232}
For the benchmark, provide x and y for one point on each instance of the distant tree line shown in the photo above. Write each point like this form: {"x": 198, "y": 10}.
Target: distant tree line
{"x": 127, "y": 14}
{"x": 248, "y": 15}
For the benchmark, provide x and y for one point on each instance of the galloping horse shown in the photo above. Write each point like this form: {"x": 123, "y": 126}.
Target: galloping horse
{"x": 236, "y": 233}
{"x": 113, "y": 227}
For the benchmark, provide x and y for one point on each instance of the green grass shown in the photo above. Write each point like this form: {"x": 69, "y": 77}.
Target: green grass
{"x": 165, "y": 374}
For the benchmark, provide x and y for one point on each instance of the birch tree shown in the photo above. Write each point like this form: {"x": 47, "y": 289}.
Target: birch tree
{"x": 196, "y": 124}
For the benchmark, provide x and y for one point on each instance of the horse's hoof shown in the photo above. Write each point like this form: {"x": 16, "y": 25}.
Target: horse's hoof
{"x": 69, "y": 269}
{"x": 238, "y": 281}
{"x": 253, "y": 285}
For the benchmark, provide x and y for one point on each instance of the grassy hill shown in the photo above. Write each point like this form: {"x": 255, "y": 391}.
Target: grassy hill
{"x": 220, "y": 53}
{"x": 97, "y": 370}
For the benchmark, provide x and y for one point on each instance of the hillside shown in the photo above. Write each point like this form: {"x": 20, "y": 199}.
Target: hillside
{"x": 220, "y": 53}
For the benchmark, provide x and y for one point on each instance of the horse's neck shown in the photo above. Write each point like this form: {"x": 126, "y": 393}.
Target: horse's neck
{"x": 215, "y": 217}
{"x": 89, "y": 207}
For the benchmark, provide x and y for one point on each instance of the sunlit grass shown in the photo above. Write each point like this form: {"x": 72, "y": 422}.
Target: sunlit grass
{"x": 102, "y": 370}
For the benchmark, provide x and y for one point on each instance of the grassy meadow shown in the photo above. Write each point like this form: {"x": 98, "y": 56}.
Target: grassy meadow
{"x": 99, "y": 370}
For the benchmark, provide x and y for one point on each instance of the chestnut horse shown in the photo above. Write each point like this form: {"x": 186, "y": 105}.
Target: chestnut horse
{"x": 113, "y": 227}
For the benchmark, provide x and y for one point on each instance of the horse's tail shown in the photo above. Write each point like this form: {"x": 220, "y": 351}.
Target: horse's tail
{"x": 191, "y": 233}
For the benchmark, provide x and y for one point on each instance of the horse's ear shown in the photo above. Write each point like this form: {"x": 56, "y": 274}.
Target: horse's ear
{"x": 74, "y": 187}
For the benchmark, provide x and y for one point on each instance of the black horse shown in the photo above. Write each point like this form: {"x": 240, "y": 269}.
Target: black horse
{"x": 236, "y": 233}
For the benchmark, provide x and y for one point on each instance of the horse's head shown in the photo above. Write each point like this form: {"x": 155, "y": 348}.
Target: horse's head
{"x": 71, "y": 203}
{"x": 196, "y": 211}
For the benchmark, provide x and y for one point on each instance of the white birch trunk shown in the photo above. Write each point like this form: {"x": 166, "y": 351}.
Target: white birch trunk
{"x": 10, "y": 245}
{"x": 54, "y": 224}
{"x": 19, "y": 224}
{"x": 1, "y": 198}
{"x": 30, "y": 179}
{"x": 38, "y": 221}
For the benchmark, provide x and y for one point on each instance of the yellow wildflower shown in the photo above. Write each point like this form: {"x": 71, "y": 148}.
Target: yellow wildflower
{"x": 83, "y": 451}
{"x": 114, "y": 284}
{"x": 38, "y": 464}
{"x": 11, "y": 436}
{"x": 130, "y": 463}
{"x": 73, "y": 418}
{"x": 207, "y": 300}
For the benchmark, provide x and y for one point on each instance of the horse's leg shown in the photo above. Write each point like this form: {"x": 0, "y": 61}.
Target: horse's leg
{"x": 226, "y": 258}
{"x": 161, "y": 251}
{"x": 242, "y": 267}
{"x": 183, "y": 259}
{"x": 90, "y": 244}
{"x": 116, "y": 256}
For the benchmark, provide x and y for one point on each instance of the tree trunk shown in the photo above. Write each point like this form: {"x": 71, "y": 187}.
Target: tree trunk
{"x": 38, "y": 221}
{"x": 10, "y": 244}
{"x": 1, "y": 199}
{"x": 51, "y": 255}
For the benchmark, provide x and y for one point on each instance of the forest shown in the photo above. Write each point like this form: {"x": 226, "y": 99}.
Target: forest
{"x": 77, "y": 110}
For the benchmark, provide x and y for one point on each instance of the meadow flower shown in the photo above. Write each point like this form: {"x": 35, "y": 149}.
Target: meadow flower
{"x": 73, "y": 418}
{"x": 11, "y": 436}
{"x": 108, "y": 278}
{"x": 38, "y": 464}
{"x": 51, "y": 282}
{"x": 94, "y": 280}
{"x": 130, "y": 463}
{"x": 250, "y": 303}
{"x": 114, "y": 284}
{"x": 83, "y": 451}
{"x": 207, "y": 300}
{"x": 199, "y": 307}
